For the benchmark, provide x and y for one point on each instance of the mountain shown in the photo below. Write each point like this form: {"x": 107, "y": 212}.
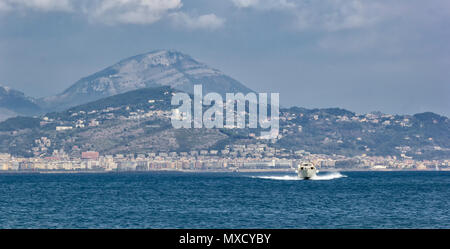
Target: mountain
{"x": 14, "y": 103}
{"x": 156, "y": 68}
{"x": 138, "y": 121}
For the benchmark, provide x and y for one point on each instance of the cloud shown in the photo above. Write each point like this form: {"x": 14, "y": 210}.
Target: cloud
{"x": 336, "y": 15}
{"x": 38, "y": 5}
{"x": 209, "y": 21}
{"x": 132, "y": 11}
{"x": 245, "y": 3}
{"x": 264, "y": 4}
{"x": 4, "y": 7}
{"x": 408, "y": 29}
{"x": 115, "y": 12}
{"x": 151, "y": 11}
{"x": 325, "y": 15}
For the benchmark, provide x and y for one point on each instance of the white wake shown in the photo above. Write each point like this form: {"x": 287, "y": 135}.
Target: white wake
{"x": 319, "y": 177}
{"x": 328, "y": 176}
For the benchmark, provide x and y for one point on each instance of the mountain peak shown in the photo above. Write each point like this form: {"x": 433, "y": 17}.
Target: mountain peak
{"x": 5, "y": 89}
{"x": 161, "y": 57}
{"x": 156, "y": 68}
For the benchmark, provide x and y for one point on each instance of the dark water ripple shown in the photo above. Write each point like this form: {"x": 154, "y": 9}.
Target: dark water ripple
{"x": 220, "y": 200}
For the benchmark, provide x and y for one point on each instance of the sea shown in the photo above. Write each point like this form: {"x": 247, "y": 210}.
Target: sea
{"x": 403, "y": 199}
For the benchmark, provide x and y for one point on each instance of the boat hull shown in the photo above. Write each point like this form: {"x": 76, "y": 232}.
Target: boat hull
{"x": 307, "y": 173}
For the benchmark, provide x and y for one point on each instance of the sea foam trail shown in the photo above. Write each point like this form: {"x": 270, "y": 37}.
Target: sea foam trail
{"x": 328, "y": 176}
{"x": 281, "y": 178}
{"x": 320, "y": 177}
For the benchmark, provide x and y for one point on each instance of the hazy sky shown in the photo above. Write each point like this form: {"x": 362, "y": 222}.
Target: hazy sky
{"x": 362, "y": 55}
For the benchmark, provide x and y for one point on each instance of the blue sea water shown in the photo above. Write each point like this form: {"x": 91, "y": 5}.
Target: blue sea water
{"x": 225, "y": 200}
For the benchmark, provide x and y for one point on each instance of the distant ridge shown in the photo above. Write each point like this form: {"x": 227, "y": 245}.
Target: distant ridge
{"x": 13, "y": 103}
{"x": 138, "y": 121}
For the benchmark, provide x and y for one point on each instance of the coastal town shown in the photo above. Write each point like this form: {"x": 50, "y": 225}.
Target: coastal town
{"x": 254, "y": 156}
{"x": 133, "y": 132}
{"x": 234, "y": 158}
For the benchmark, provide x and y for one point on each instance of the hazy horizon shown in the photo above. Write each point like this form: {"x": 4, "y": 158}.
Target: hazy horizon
{"x": 358, "y": 55}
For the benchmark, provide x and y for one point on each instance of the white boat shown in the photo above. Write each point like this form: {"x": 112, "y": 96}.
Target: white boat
{"x": 306, "y": 170}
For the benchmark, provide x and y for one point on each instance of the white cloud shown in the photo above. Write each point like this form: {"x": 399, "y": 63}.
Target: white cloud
{"x": 264, "y": 4}
{"x": 245, "y": 3}
{"x": 132, "y": 11}
{"x": 209, "y": 21}
{"x": 113, "y": 12}
{"x": 39, "y": 5}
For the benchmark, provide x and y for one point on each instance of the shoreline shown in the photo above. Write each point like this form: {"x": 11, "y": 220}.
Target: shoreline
{"x": 2, "y": 172}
